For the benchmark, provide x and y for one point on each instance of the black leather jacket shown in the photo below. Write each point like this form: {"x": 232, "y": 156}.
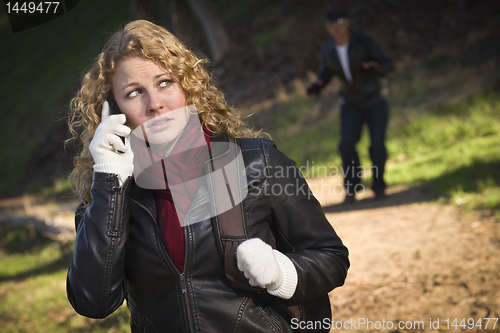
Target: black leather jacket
{"x": 365, "y": 86}
{"x": 119, "y": 253}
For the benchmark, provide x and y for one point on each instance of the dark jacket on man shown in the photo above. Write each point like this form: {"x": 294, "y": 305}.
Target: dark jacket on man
{"x": 365, "y": 86}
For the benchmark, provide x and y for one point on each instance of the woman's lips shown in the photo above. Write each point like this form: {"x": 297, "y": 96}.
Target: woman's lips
{"x": 159, "y": 124}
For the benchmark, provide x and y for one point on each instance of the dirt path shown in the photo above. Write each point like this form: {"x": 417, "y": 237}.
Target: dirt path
{"x": 52, "y": 219}
{"x": 412, "y": 261}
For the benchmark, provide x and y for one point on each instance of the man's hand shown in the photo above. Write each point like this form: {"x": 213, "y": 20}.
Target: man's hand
{"x": 373, "y": 64}
{"x": 314, "y": 88}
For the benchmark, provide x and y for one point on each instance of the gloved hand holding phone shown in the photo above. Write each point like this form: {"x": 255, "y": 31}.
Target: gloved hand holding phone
{"x": 110, "y": 146}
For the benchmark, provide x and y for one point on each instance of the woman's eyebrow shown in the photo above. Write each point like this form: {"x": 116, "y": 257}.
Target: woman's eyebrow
{"x": 162, "y": 74}
{"x": 129, "y": 85}
{"x": 136, "y": 84}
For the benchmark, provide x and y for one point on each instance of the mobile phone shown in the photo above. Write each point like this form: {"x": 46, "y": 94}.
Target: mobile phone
{"x": 113, "y": 107}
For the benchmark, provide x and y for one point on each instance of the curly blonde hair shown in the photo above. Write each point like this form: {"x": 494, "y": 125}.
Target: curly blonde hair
{"x": 150, "y": 41}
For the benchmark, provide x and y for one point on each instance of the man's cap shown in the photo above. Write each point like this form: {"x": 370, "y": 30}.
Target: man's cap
{"x": 335, "y": 14}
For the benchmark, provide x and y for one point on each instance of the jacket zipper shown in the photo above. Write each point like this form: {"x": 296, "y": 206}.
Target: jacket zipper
{"x": 185, "y": 294}
{"x": 119, "y": 197}
{"x": 182, "y": 276}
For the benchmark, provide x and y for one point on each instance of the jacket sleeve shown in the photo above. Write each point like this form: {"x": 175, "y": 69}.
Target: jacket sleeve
{"x": 96, "y": 284}
{"x": 325, "y": 73}
{"x": 377, "y": 54}
{"x": 306, "y": 236}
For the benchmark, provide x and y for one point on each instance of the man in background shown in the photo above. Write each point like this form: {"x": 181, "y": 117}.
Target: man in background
{"x": 359, "y": 62}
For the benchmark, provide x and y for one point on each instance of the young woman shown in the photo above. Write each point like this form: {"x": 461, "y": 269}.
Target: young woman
{"x": 150, "y": 120}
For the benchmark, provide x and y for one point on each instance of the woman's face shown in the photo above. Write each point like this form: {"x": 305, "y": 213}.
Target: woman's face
{"x": 149, "y": 95}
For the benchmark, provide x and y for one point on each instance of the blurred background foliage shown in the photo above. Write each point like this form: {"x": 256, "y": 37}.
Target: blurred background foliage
{"x": 444, "y": 52}
{"x": 444, "y": 131}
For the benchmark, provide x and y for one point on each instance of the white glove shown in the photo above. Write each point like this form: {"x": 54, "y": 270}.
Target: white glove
{"x": 110, "y": 154}
{"x": 267, "y": 268}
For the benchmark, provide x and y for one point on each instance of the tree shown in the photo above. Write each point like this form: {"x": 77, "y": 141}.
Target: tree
{"x": 218, "y": 38}
{"x": 182, "y": 23}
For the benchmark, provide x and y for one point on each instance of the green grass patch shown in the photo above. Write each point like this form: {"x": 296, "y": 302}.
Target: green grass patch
{"x": 60, "y": 189}
{"x": 289, "y": 113}
{"x": 453, "y": 149}
{"x": 33, "y": 287}
{"x": 270, "y": 34}
{"x": 434, "y": 59}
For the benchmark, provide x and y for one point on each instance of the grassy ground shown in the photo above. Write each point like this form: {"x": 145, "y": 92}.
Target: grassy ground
{"x": 33, "y": 287}
{"x": 455, "y": 150}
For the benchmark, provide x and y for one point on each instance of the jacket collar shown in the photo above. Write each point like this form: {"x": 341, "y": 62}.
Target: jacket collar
{"x": 220, "y": 147}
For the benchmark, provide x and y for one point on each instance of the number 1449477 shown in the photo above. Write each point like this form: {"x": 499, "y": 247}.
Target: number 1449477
{"x": 32, "y": 7}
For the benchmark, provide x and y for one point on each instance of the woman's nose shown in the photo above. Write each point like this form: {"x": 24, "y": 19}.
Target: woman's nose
{"x": 154, "y": 103}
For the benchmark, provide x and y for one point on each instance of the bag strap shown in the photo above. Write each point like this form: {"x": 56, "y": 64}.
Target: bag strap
{"x": 231, "y": 224}
{"x": 232, "y": 233}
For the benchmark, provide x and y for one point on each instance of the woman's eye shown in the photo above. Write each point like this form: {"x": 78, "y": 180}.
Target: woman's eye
{"x": 133, "y": 93}
{"x": 165, "y": 83}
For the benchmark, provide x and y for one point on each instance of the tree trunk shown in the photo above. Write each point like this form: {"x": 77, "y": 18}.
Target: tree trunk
{"x": 181, "y": 19}
{"x": 218, "y": 38}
